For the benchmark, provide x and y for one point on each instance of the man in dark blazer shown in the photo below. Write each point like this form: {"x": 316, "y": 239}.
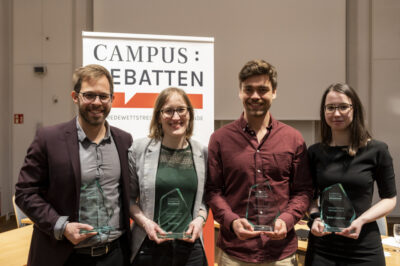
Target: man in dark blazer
{"x": 67, "y": 162}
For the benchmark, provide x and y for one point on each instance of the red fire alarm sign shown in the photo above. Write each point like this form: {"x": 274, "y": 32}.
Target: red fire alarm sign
{"x": 18, "y": 118}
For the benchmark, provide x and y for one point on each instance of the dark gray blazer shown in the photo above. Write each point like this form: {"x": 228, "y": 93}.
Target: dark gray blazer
{"x": 49, "y": 187}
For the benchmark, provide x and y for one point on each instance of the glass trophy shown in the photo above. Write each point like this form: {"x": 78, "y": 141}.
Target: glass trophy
{"x": 174, "y": 215}
{"x": 337, "y": 212}
{"x": 93, "y": 210}
{"x": 262, "y": 208}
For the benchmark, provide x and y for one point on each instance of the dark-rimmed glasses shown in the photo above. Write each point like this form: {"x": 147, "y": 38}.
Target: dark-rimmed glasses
{"x": 89, "y": 97}
{"x": 169, "y": 112}
{"x": 342, "y": 108}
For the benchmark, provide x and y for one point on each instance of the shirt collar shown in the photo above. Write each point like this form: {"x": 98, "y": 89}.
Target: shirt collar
{"x": 246, "y": 128}
{"x": 82, "y": 136}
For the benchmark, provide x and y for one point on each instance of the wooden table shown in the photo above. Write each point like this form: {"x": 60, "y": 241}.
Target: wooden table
{"x": 26, "y": 221}
{"x": 15, "y": 246}
{"x": 393, "y": 260}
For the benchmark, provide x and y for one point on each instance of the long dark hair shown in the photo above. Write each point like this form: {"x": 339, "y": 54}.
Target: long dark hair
{"x": 359, "y": 135}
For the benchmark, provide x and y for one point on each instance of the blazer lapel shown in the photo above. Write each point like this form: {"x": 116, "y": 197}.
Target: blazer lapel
{"x": 198, "y": 159}
{"x": 122, "y": 151}
{"x": 71, "y": 137}
{"x": 150, "y": 167}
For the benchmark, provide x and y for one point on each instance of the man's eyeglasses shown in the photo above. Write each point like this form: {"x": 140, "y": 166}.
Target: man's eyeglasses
{"x": 89, "y": 97}
{"x": 169, "y": 112}
{"x": 343, "y": 108}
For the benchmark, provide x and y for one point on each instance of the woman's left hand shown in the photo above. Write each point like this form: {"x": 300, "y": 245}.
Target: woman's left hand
{"x": 195, "y": 229}
{"x": 353, "y": 231}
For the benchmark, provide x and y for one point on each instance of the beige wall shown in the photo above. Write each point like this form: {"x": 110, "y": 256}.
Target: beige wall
{"x": 40, "y": 33}
{"x": 373, "y": 69}
{"x": 5, "y": 96}
{"x": 305, "y": 40}
{"x": 385, "y": 77}
{"x": 372, "y": 63}
{"x": 42, "y": 36}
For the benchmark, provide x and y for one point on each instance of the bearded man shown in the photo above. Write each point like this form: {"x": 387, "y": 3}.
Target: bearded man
{"x": 74, "y": 183}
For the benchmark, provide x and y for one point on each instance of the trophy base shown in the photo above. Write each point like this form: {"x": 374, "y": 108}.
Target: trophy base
{"x": 267, "y": 228}
{"x": 104, "y": 229}
{"x": 333, "y": 229}
{"x": 182, "y": 235}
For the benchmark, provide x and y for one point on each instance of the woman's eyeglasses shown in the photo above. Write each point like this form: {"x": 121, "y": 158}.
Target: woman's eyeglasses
{"x": 342, "y": 108}
{"x": 170, "y": 112}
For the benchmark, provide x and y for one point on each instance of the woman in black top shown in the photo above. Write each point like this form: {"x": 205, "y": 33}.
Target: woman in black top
{"x": 349, "y": 156}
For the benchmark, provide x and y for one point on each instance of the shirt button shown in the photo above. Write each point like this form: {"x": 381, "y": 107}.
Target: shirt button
{"x": 258, "y": 171}
{"x": 258, "y": 150}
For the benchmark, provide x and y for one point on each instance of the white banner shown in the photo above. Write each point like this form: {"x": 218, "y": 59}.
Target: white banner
{"x": 143, "y": 65}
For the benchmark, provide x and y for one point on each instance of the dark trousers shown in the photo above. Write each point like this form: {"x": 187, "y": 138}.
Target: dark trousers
{"x": 170, "y": 253}
{"x": 314, "y": 259}
{"x": 116, "y": 257}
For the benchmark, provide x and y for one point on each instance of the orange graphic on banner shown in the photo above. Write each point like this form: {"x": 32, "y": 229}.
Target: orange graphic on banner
{"x": 147, "y": 100}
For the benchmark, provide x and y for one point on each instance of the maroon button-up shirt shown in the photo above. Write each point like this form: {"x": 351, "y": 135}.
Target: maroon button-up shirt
{"x": 236, "y": 161}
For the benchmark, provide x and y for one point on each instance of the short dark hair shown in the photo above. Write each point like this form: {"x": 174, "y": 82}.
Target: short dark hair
{"x": 359, "y": 133}
{"x": 156, "y": 131}
{"x": 91, "y": 72}
{"x": 259, "y": 67}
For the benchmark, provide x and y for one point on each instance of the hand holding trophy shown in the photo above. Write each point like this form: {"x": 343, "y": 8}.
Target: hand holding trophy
{"x": 94, "y": 210}
{"x": 174, "y": 215}
{"x": 262, "y": 209}
{"x": 337, "y": 212}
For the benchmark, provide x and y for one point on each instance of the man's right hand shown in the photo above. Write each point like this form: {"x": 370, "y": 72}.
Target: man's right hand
{"x": 243, "y": 229}
{"x": 72, "y": 230}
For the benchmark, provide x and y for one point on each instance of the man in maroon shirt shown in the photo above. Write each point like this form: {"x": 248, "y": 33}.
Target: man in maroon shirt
{"x": 251, "y": 150}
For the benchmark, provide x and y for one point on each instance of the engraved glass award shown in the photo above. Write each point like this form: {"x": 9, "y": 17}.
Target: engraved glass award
{"x": 174, "y": 215}
{"x": 93, "y": 210}
{"x": 337, "y": 212}
{"x": 262, "y": 208}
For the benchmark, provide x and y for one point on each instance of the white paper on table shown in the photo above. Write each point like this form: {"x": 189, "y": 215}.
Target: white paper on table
{"x": 390, "y": 241}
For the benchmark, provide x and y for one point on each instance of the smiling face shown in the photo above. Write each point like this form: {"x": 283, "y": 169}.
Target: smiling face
{"x": 338, "y": 120}
{"x": 174, "y": 126}
{"x": 93, "y": 113}
{"x": 256, "y": 94}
